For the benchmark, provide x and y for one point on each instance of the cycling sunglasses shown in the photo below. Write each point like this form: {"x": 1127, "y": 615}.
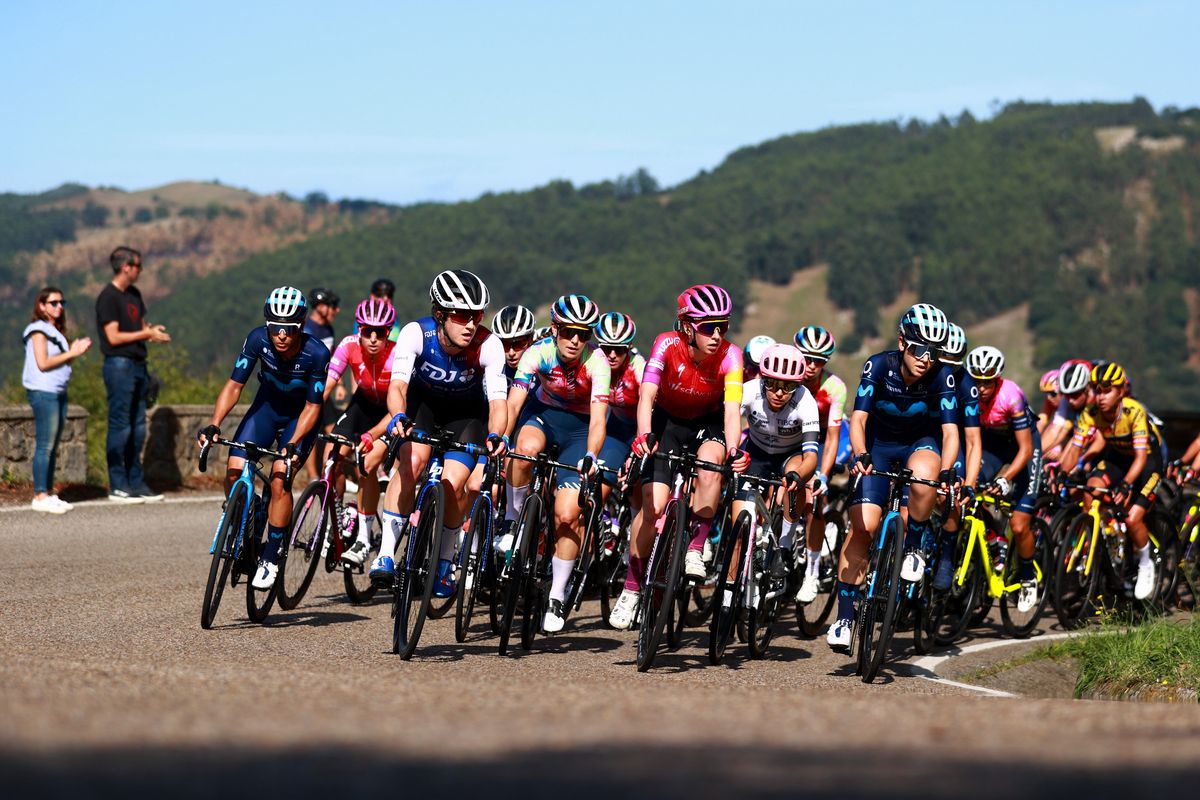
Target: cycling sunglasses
{"x": 377, "y": 331}
{"x": 614, "y": 349}
{"x": 572, "y": 332}
{"x": 777, "y": 385}
{"x": 922, "y": 352}
{"x": 711, "y": 327}
{"x": 290, "y": 328}
{"x": 520, "y": 343}
{"x": 465, "y": 317}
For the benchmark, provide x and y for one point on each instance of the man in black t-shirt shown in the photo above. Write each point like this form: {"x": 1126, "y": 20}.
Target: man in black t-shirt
{"x": 123, "y": 333}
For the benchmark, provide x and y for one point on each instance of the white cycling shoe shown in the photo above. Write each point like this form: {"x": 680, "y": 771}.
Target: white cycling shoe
{"x": 1143, "y": 587}
{"x": 555, "y": 617}
{"x": 913, "y": 567}
{"x": 809, "y": 589}
{"x": 356, "y": 555}
{"x": 625, "y": 610}
{"x": 264, "y": 578}
{"x": 1027, "y": 597}
{"x": 838, "y": 637}
{"x": 693, "y": 564}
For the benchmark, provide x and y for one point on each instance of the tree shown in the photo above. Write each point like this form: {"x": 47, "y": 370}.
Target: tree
{"x": 94, "y": 215}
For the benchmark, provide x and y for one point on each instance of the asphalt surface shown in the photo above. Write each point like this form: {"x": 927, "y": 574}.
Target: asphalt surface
{"x": 110, "y": 689}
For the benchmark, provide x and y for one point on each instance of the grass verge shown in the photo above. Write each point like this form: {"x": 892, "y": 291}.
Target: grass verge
{"x": 1161, "y": 652}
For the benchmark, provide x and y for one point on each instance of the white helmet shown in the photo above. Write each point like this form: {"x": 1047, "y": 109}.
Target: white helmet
{"x": 285, "y": 304}
{"x": 924, "y": 324}
{"x": 955, "y": 346}
{"x": 985, "y": 363}
{"x": 756, "y": 347}
{"x": 460, "y": 290}
{"x": 1074, "y": 377}
{"x": 513, "y": 322}
{"x": 615, "y": 328}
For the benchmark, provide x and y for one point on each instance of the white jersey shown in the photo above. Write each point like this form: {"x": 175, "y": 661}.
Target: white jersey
{"x": 795, "y": 427}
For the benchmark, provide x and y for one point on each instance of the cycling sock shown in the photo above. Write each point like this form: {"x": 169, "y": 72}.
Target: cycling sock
{"x": 365, "y": 523}
{"x": 703, "y": 525}
{"x": 516, "y": 499}
{"x": 788, "y": 536}
{"x": 847, "y": 594}
{"x": 1025, "y": 571}
{"x": 449, "y": 542}
{"x": 274, "y": 537}
{"x": 813, "y": 568}
{"x": 914, "y": 537}
{"x": 393, "y": 525}
{"x": 633, "y": 577}
{"x": 1143, "y": 555}
{"x": 561, "y": 568}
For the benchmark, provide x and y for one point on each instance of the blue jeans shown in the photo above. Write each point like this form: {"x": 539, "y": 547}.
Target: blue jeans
{"x": 125, "y": 382}
{"x": 49, "y": 418}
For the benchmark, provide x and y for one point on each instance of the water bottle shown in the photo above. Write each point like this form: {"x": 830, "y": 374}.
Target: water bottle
{"x": 998, "y": 548}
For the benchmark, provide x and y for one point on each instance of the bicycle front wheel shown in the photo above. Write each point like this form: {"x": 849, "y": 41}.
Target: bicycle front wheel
{"x": 1017, "y": 623}
{"x": 310, "y": 525}
{"x": 662, "y": 584}
{"x": 885, "y": 599}
{"x": 525, "y": 533}
{"x": 1077, "y": 583}
{"x": 222, "y": 557}
{"x": 765, "y": 592}
{"x": 727, "y": 602}
{"x": 470, "y": 574}
{"x": 259, "y": 601}
{"x": 418, "y": 574}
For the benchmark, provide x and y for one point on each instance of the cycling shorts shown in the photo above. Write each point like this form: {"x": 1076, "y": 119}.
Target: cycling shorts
{"x": 1026, "y": 485}
{"x": 1113, "y": 470}
{"x": 359, "y": 417}
{"x": 618, "y": 440}
{"x": 677, "y": 435}
{"x": 873, "y": 489}
{"x": 763, "y": 465}
{"x": 271, "y": 424}
{"x": 568, "y": 430}
{"x": 463, "y": 421}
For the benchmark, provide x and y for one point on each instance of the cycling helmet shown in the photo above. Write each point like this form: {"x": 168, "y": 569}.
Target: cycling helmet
{"x": 815, "y": 342}
{"x": 1108, "y": 374}
{"x": 1049, "y": 381}
{"x": 955, "y": 346}
{"x": 1073, "y": 377}
{"x": 375, "y": 312}
{"x": 985, "y": 363}
{"x": 782, "y": 362}
{"x": 574, "y": 309}
{"x": 384, "y": 287}
{"x": 756, "y": 347}
{"x": 459, "y": 289}
{"x": 615, "y": 328}
{"x": 285, "y": 304}
{"x": 541, "y": 333}
{"x": 924, "y": 324}
{"x": 513, "y": 322}
{"x": 704, "y": 301}
{"x": 326, "y": 296}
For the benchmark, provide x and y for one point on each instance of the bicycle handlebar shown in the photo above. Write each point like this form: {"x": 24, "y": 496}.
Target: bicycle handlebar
{"x": 437, "y": 440}
{"x": 254, "y": 452}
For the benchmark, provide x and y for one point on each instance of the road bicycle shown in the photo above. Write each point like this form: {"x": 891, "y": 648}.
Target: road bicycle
{"x": 476, "y": 550}
{"x": 812, "y": 618}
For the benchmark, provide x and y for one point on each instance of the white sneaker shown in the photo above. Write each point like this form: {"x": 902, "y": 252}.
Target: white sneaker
{"x": 913, "y": 568}
{"x": 838, "y": 637}
{"x": 61, "y": 502}
{"x": 356, "y": 555}
{"x": 265, "y": 577}
{"x": 1143, "y": 587}
{"x": 808, "y": 589}
{"x": 707, "y": 552}
{"x": 47, "y": 506}
{"x": 693, "y": 564}
{"x": 1027, "y": 598}
{"x": 555, "y": 617}
{"x": 625, "y": 610}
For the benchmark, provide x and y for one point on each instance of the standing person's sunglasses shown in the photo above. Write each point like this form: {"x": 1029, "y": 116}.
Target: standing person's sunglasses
{"x": 56, "y": 303}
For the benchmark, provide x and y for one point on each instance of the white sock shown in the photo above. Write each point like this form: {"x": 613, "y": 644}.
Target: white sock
{"x": 393, "y": 525}
{"x": 813, "y": 568}
{"x": 365, "y": 523}
{"x": 1143, "y": 555}
{"x": 449, "y": 542}
{"x": 788, "y": 535}
{"x": 562, "y": 575}
{"x": 516, "y": 499}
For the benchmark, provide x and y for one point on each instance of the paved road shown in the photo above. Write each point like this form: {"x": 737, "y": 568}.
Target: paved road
{"x": 109, "y": 687}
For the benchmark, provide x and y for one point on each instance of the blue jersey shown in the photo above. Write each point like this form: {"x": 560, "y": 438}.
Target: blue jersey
{"x": 291, "y": 383}
{"x": 968, "y": 399}
{"x": 900, "y": 412}
{"x": 474, "y": 375}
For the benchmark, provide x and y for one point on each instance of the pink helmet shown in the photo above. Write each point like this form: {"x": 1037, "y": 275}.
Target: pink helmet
{"x": 1049, "y": 381}
{"x": 783, "y": 362}
{"x": 705, "y": 301}
{"x": 375, "y": 312}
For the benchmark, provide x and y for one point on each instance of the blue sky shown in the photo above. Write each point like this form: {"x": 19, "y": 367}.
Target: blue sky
{"x": 443, "y": 101}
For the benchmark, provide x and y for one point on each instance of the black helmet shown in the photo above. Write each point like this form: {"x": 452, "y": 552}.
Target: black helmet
{"x": 384, "y": 287}
{"x": 319, "y": 295}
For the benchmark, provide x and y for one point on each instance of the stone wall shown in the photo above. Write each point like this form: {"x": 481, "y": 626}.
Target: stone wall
{"x": 169, "y": 457}
{"x": 18, "y": 438}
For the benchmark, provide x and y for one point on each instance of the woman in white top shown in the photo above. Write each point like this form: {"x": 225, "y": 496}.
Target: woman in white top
{"x": 48, "y": 360}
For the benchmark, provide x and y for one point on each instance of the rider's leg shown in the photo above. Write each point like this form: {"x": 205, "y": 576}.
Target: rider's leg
{"x": 921, "y": 499}
{"x": 654, "y": 504}
{"x": 708, "y": 493}
{"x": 531, "y": 441}
{"x": 279, "y": 514}
{"x": 455, "y": 475}
{"x": 568, "y": 534}
{"x": 398, "y": 500}
{"x": 852, "y": 566}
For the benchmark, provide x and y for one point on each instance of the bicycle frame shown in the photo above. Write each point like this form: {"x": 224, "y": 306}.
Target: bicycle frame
{"x": 976, "y": 533}
{"x": 250, "y": 470}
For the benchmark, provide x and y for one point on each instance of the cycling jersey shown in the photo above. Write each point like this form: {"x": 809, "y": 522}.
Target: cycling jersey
{"x": 291, "y": 383}
{"x": 626, "y": 387}
{"x": 831, "y": 401}
{"x": 1131, "y": 432}
{"x": 1005, "y": 414}
{"x": 572, "y": 387}
{"x": 475, "y": 373}
{"x": 794, "y": 427}
{"x": 372, "y": 375}
{"x": 901, "y": 412}
{"x": 687, "y": 390}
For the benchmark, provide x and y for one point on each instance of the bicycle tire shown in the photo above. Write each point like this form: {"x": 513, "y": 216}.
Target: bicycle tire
{"x": 1166, "y": 556}
{"x": 812, "y": 618}
{"x": 611, "y": 561}
{"x": 420, "y": 574}
{"x": 222, "y": 558}
{"x": 887, "y": 601}
{"x": 1075, "y": 593}
{"x": 357, "y": 580}
{"x": 258, "y": 601}
{"x": 537, "y": 582}
{"x": 530, "y": 513}
{"x": 728, "y": 592}
{"x": 1017, "y": 624}
{"x": 303, "y": 541}
{"x": 760, "y": 621}
{"x": 471, "y": 572}
{"x": 660, "y": 588}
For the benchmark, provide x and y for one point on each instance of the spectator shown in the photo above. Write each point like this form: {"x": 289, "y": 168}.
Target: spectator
{"x": 124, "y": 331}
{"x": 48, "y": 360}
{"x": 325, "y": 306}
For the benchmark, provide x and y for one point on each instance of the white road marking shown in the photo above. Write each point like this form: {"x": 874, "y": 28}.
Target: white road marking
{"x": 926, "y": 667}
{"x": 104, "y": 501}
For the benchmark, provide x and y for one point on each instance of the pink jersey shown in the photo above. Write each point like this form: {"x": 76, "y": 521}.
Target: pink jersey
{"x": 373, "y": 376}
{"x": 688, "y": 390}
{"x": 626, "y": 386}
{"x": 1007, "y": 409}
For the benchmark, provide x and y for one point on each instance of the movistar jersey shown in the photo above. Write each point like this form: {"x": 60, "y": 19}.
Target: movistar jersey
{"x": 901, "y": 412}
{"x": 295, "y": 381}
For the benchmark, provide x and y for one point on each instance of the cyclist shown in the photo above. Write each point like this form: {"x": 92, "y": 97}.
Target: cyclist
{"x": 907, "y": 411}
{"x": 1074, "y": 390}
{"x": 568, "y": 408}
{"x": 514, "y": 327}
{"x": 784, "y": 429}
{"x": 752, "y": 353}
{"x": 448, "y": 373}
{"x": 1048, "y": 385}
{"x": 690, "y": 399}
{"x": 285, "y": 410}
{"x": 615, "y": 333}
{"x": 369, "y": 356}
{"x": 818, "y": 346}
{"x": 1012, "y": 461}
{"x": 384, "y": 289}
{"x": 1130, "y": 459}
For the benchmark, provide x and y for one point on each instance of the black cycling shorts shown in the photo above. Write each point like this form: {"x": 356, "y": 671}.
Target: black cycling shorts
{"x": 677, "y": 435}
{"x": 467, "y": 422}
{"x": 359, "y": 417}
{"x": 1113, "y": 470}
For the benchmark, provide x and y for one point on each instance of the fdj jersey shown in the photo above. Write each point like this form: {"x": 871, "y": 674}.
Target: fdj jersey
{"x": 902, "y": 412}
{"x": 289, "y": 383}
{"x": 475, "y": 374}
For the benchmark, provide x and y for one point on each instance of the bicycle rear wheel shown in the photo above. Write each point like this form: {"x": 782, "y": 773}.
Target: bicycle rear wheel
{"x": 612, "y": 547}
{"x": 419, "y": 573}
{"x": 222, "y": 556}
{"x": 812, "y": 618}
{"x": 357, "y": 580}
{"x": 761, "y": 619}
{"x": 1021, "y": 624}
{"x": 1075, "y": 587}
{"x": 526, "y": 532}
{"x": 258, "y": 601}
{"x": 727, "y": 603}
{"x": 470, "y": 575}
{"x": 885, "y": 599}
{"x": 661, "y": 584}
{"x": 311, "y": 523}
{"x": 537, "y": 584}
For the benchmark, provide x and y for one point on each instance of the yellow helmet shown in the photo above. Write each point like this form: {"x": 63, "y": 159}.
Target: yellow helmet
{"x": 1110, "y": 374}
